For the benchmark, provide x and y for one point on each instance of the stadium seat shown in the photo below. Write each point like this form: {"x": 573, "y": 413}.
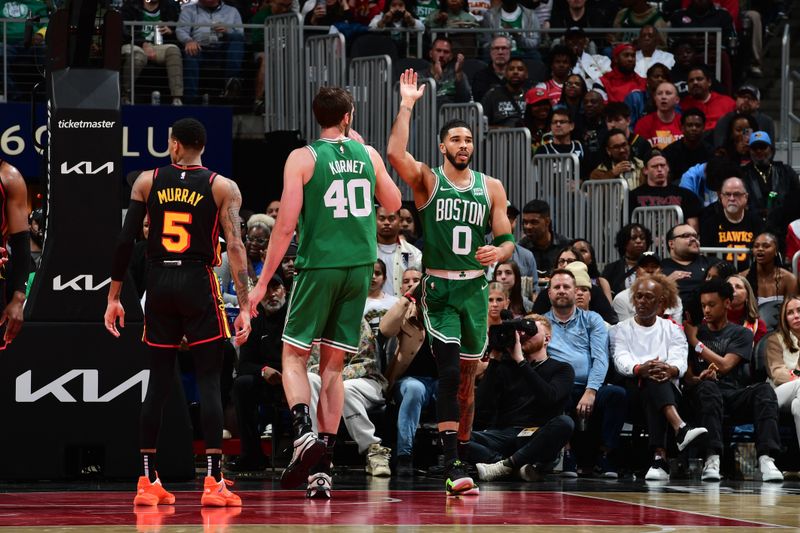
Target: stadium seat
{"x": 371, "y": 44}
{"x": 472, "y": 66}
{"x": 419, "y": 65}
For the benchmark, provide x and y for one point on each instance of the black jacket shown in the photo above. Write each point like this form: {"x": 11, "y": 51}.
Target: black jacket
{"x": 522, "y": 395}
{"x": 133, "y": 10}
{"x": 264, "y": 345}
{"x": 782, "y": 181}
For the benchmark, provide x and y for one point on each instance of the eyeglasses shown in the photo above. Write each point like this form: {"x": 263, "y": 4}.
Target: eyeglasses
{"x": 560, "y": 122}
{"x": 732, "y": 194}
{"x": 686, "y": 236}
{"x": 260, "y": 241}
{"x": 618, "y": 146}
{"x": 566, "y": 260}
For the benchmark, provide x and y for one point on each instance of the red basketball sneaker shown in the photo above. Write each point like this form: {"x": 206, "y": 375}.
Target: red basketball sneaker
{"x": 216, "y": 494}
{"x": 152, "y": 493}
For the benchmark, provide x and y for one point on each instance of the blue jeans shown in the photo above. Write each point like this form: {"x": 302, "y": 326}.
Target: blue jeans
{"x": 227, "y": 56}
{"x": 610, "y": 405}
{"x": 411, "y": 394}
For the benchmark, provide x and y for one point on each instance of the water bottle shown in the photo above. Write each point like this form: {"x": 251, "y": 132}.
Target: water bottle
{"x": 158, "y": 39}
{"x": 155, "y": 98}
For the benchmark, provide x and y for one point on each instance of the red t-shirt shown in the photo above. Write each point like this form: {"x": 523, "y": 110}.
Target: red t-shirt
{"x": 660, "y": 134}
{"x": 619, "y": 85}
{"x": 553, "y": 90}
{"x": 716, "y": 106}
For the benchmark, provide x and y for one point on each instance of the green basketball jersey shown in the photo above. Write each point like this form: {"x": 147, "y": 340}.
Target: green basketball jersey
{"x": 454, "y": 223}
{"x": 425, "y": 7}
{"x": 337, "y": 225}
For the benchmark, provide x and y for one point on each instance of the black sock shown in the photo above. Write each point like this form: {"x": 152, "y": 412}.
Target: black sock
{"x": 324, "y": 464}
{"x": 301, "y": 419}
{"x": 149, "y": 466}
{"x": 449, "y": 440}
{"x": 214, "y": 465}
{"x": 463, "y": 451}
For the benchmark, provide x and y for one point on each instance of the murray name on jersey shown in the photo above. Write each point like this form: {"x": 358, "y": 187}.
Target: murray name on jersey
{"x": 179, "y": 194}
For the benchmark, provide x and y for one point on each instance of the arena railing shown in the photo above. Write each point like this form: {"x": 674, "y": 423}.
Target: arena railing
{"x": 658, "y": 220}
{"x": 795, "y": 261}
{"x": 605, "y": 212}
{"x": 507, "y": 157}
{"x": 731, "y": 255}
{"x": 557, "y": 182}
{"x": 371, "y": 82}
{"x": 211, "y": 82}
{"x": 482, "y": 35}
{"x": 472, "y": 114}
{"x": 423, "y": 141}
{"x": 284, "y": 64}
{"x": 325, "y": 64}
{"x": 788, "y": 76}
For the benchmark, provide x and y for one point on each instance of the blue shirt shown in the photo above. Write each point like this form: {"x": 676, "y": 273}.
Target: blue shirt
{"x": 694, "y": 179}
{"x": 581, "y": 341}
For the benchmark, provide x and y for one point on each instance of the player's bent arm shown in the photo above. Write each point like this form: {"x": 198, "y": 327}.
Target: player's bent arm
{"x": 386, "y": 190}
{"x": 298, "y": 170}
{"x": 137, "y": 211}
{"x": 501, "y": 227}
{"x": 18, "y": 236}
{"x": 409, "y": 169}
{"x": 231, "y": 203}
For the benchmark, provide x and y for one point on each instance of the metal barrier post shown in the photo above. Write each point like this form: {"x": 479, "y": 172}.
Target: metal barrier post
{"x": 507, "y": 158}
{"x": 472, "y": 114}
{"x": 557, "y": 179}
{"x": 733, "y": 253}
{"x": 605, "y": 213}
{"x": 283, "y": 91}
{"x": 370, "y": 82}
{"x": 658, "y": 220}
{"x": 324, "y": 66}
{"x": 788, "y": 117}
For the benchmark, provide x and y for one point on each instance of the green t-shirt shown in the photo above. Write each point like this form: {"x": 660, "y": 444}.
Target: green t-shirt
{"x": 337, "y": 226}
{"x": 15, "y": 31}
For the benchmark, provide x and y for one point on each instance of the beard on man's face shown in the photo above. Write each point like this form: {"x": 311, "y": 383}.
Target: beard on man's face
{"x": 452, "y": 158}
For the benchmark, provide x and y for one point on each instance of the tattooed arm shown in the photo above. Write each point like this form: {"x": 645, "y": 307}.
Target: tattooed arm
{"x": 226, "y": 192}
{"x": 296, "y": 173}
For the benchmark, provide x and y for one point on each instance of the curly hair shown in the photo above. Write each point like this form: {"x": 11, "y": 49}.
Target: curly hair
{"x": 669, "y": 289}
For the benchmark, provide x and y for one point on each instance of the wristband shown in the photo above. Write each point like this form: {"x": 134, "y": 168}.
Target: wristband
{"x": 636, "y": 370}
{"x": 699, "y": 347}
{"x": 500, "y": 239}
{"x": 264, "y": 370}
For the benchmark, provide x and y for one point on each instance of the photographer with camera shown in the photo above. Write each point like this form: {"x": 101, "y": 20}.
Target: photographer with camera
{"x": 523, "y": 393}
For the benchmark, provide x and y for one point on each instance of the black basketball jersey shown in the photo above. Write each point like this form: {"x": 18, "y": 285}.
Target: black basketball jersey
{"x": 184, "y": 218}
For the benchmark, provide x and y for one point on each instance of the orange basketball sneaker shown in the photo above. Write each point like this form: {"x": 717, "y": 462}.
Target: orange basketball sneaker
{"x": 152, "y": 493}
{"x": 216, "y": 494}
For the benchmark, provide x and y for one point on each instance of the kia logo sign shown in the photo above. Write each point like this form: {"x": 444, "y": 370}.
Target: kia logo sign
{"x": 87, "y": 167}
{"x": 24, "y": 392}
{"x": 81, "y": 282}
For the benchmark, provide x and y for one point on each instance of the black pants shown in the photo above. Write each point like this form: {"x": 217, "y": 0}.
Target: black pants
{"x": 755, "y": 404}
{"x": 492, "y": 445}
{"x": 652, "y": 396}
{"x": 250, "y": 392}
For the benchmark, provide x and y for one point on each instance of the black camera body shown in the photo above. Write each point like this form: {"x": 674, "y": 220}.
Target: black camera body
{"x": 502, "y": 337}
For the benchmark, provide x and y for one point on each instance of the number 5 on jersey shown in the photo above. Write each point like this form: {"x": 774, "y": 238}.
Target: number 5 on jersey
{"x": 345, "y": 204}
{"x": 176, "y": 237}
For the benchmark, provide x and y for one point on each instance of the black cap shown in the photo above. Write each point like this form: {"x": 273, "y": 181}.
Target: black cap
{"x": 291, "y": 251}
{"x": 512, "y": 211}
{"x": 575, "y": 30}
{"x": 648, "y": 257}
{"x": 275, "y": 279}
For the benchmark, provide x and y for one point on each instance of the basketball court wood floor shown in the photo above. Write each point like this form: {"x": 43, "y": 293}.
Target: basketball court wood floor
{"x": 361, "y": 503}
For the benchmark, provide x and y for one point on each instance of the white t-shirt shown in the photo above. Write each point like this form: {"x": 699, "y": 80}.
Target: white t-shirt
{"x": 633, "y": 344}
{"x": 375, "y": 308}
{"x": 386, "y": 254}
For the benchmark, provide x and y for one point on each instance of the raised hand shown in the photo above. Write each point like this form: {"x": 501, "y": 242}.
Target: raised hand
{"x": 409, "y": 92}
